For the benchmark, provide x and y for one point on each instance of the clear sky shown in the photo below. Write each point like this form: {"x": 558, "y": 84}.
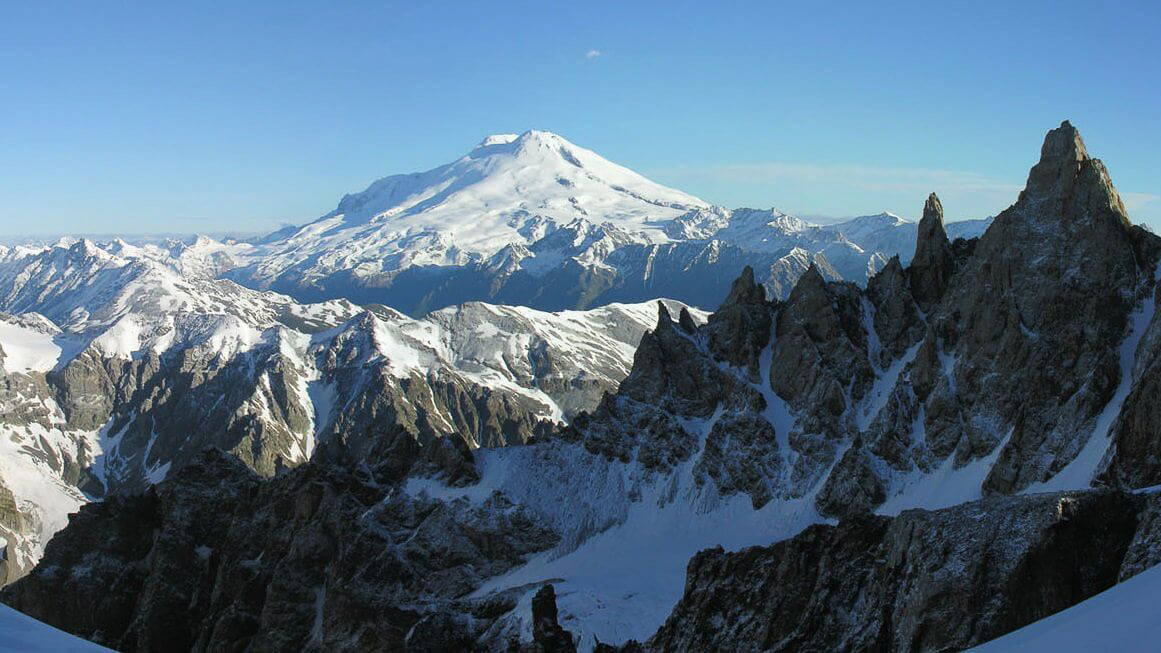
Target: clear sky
{"x": 148, "y": 117}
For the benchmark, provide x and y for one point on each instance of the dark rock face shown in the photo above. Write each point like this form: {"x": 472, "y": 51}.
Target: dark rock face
{"x": 853, "y": 488}
{"x": 322, "y": 558}
{"x": 1134, "y": 458}
{"x": 1145, "y": 549}
{"x": 12, "y": 525}
{"x": 741, "y": 455}
{"x": 672, "y": 373}
{"x": 672, "y": 378}
{"x": 896, "y": 321}
{"x": 923, "y": 581}
{"x": 1046, "y": 293}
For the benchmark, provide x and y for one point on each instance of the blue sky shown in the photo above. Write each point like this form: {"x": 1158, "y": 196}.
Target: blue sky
{"x": 149, "y": 117}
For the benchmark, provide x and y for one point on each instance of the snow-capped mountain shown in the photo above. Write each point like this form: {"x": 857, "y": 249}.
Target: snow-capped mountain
{"x": 118, "y": 363}
{"x": 535, "y": 220}
{"x": 509, "y": 190}
{"x": 960, "y": 448}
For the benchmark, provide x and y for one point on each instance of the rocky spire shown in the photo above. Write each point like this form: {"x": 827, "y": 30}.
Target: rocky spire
{"x": 745, "y": 291}
{"x": 664, "y": 318}
{"x": 933, "y": 263}
{"x": 1060, "y": 156}
{"x": 896, "y": 321}
{"x": 810, "y": 281}
{"x": 740, "y": 328}
{"x": 547, "y": 634}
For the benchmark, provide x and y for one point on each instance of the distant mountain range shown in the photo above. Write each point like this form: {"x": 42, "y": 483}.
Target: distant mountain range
{"x": 535, "y": 220}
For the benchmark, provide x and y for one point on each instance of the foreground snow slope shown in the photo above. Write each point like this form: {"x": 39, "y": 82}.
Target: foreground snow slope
{"x": 20, "y": 633}
{"x": 1126, "y": 617}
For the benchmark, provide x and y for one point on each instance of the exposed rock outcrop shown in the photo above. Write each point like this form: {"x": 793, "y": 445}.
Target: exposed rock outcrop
{"x": 547, "y": 635}
{"x": 325, "y": 557}
{"x": 896, "y": 321}
{"x": 1134, "y": 456}
{"x": 820, "y": 363}
{"x": 1047, "y": 293}
{"x": 1145, "y": 549}
{"x": 923, "y": 581}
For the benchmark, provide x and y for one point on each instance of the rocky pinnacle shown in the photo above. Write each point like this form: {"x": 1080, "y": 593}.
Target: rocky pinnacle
{"x": 934, "y": 262}
{"x": 744, "y": 290}
{"x": 1066, "y": 176}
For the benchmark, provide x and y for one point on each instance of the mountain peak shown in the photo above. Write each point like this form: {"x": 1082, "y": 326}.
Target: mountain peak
{"x": 1068, "y": 179}
{"x": 510, "y": 189}
{"x": 540, "y": 136}
{"x": 528, "y": 139}
{"x": 497, "y": 139}
{"x": 1061, "y": 157}
{"x": 932, "y": 211}
{"x": 1063, "y": 143}
{"x": 744, "y": 290}
{"x": 810, "y": 281}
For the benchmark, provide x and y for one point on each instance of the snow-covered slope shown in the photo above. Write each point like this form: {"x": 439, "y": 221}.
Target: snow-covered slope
{"x": 30, "y": 343}
{"x": 510, "y": 190}
{"x": 84, "y": 287}
{"x": 1123, "y": 619}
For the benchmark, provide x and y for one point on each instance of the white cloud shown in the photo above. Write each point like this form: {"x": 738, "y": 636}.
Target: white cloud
{"x": 851, "y": 176}
{"x": 847, "y": 190}
{"x": 593, "y": 54}
{"x": 844, "y": 189}
{"x": 1134, "y": 201}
